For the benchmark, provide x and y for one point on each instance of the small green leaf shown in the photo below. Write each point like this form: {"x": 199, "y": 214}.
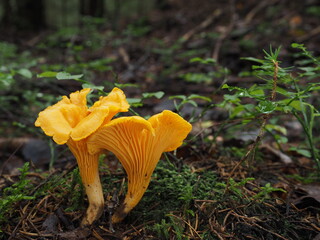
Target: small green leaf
{"x": 92, "y": 86}
{"x": 303, "y": 152}
{"x": 266, "y": 107}
{"x": 280, "y": 139}
{"x": 284, "y": 92}
{"x": 231, "y": 98}
{"x": 308, "y": 69}
{"x": 47, "y": 74}
{"x": 296, "y": 104}
{"x": 157, "y": 95}
{"x": 287, "y": 109}
{"x": 203, "y": 61}
{"x": 252, "y": 59}
{"x": 182, "y": 97}
{"x": 193, "y": 103}
{"x": 134, "y": 100}
{"x": 224, "y": 86}
{"x": 197, "y": 77}
{"x": 256, "y": 92}
{"x": 67, "y": 76}
{"x": 314, "y": 87}
{"x": 196, "y": 96}
{"x": 6, "y": 80}
{"x": 278, "y": 128}
{"x": 236, "y": 111}
{"x": 25, "y": 72}
{"x": 297, "y": 45}
{"x": 123, "y": 85}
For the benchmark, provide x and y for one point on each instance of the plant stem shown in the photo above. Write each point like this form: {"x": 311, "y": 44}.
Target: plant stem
{"x": 265, "y": 118}
{"x": 308, "y": 132}
{"x": 307, "y": 125}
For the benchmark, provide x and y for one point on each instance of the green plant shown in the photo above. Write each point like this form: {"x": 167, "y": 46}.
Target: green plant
{"x": 308, "y": 111}
{"x": 139, "y": 102}
{"x": 172, "y": 56}
{"x": 180, "y": 101}
{"x": 235, "y": 187}
{"x": 176, "y": 188}
{"x": 265, "y": 191}
{"x": 68, "y": 76}
{"x": 162, "y": 229}
{"x": 14, "y": 194}
{"x": 313, "y": 10}
{"x": 207, "y": 76}
{"x": 167, "y": 55}
{"x": 76, "y": 192}
{"x": 171, "y": 226}
{"x": 137, "y": 29}
{"x": 263, "y": 104}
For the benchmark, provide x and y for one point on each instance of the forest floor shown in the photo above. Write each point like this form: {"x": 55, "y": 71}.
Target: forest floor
{"x": 224, "y": 182}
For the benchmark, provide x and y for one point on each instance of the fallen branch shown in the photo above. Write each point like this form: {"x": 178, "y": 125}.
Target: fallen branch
{"x": 225, "y": 34}
{"x": 209, "y": 20}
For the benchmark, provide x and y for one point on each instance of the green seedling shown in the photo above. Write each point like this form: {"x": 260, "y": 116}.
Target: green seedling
{"x": 265, "y": 191}
{"x": 295, "y": 96}
{"x": 14, "y": 194}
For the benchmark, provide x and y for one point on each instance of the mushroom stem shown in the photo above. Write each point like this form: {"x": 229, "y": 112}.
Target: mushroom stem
{"x": 89, "y": 172}
{"x": 130, "y": 201}
{"x": 96, "y": 201}
{"x": 120, "y": 213}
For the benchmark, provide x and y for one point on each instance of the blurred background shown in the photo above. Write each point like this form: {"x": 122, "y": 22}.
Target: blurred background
{"x": 145, "y": 45}
{"x": 196, "y": 57}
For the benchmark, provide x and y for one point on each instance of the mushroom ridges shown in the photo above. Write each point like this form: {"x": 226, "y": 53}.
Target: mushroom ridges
{"x": 139, "y": 144}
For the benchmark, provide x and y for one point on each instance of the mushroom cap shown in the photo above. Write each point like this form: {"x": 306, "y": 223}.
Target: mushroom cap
{"x": 71, "y": 117}
{"x": 138, "y": 144}
{"x": 59, "y": 119}
{"x": 116, "y": 100}
{"x": 71, "y": 121}
{"x": 166, "y": 132}
{"x": 170, "y": 129}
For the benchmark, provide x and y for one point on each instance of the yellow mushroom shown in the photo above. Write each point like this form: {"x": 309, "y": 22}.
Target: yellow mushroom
{"x": 139, "y": 144}
{"x": 70, "y": 121}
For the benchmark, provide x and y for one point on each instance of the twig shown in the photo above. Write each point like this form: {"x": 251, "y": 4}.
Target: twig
{"x": 215, "y": 231}
{"x": 25, "y": 215}
{"x": 262, "y": 5}
{"x": 34, "y": 227}
{"x": 224, "y": 35}
{"x": 137, "y": 227}
{"x": 9, "y": 158}
{"x": 275, "y": 81}
{"x": 202, "y": 25}
{"x": 268, "y": 231}
{"x": 192, "y": 228}
{"x": 284, "y": 158}
{"x": 309, "y": 35}
{"x": 36, "y": 234}
{"x": 96, "y": 235}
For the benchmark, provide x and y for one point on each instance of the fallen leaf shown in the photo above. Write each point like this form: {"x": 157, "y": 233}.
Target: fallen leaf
{"x": 308, "y": 196}
{"x": 51, "y": 223}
